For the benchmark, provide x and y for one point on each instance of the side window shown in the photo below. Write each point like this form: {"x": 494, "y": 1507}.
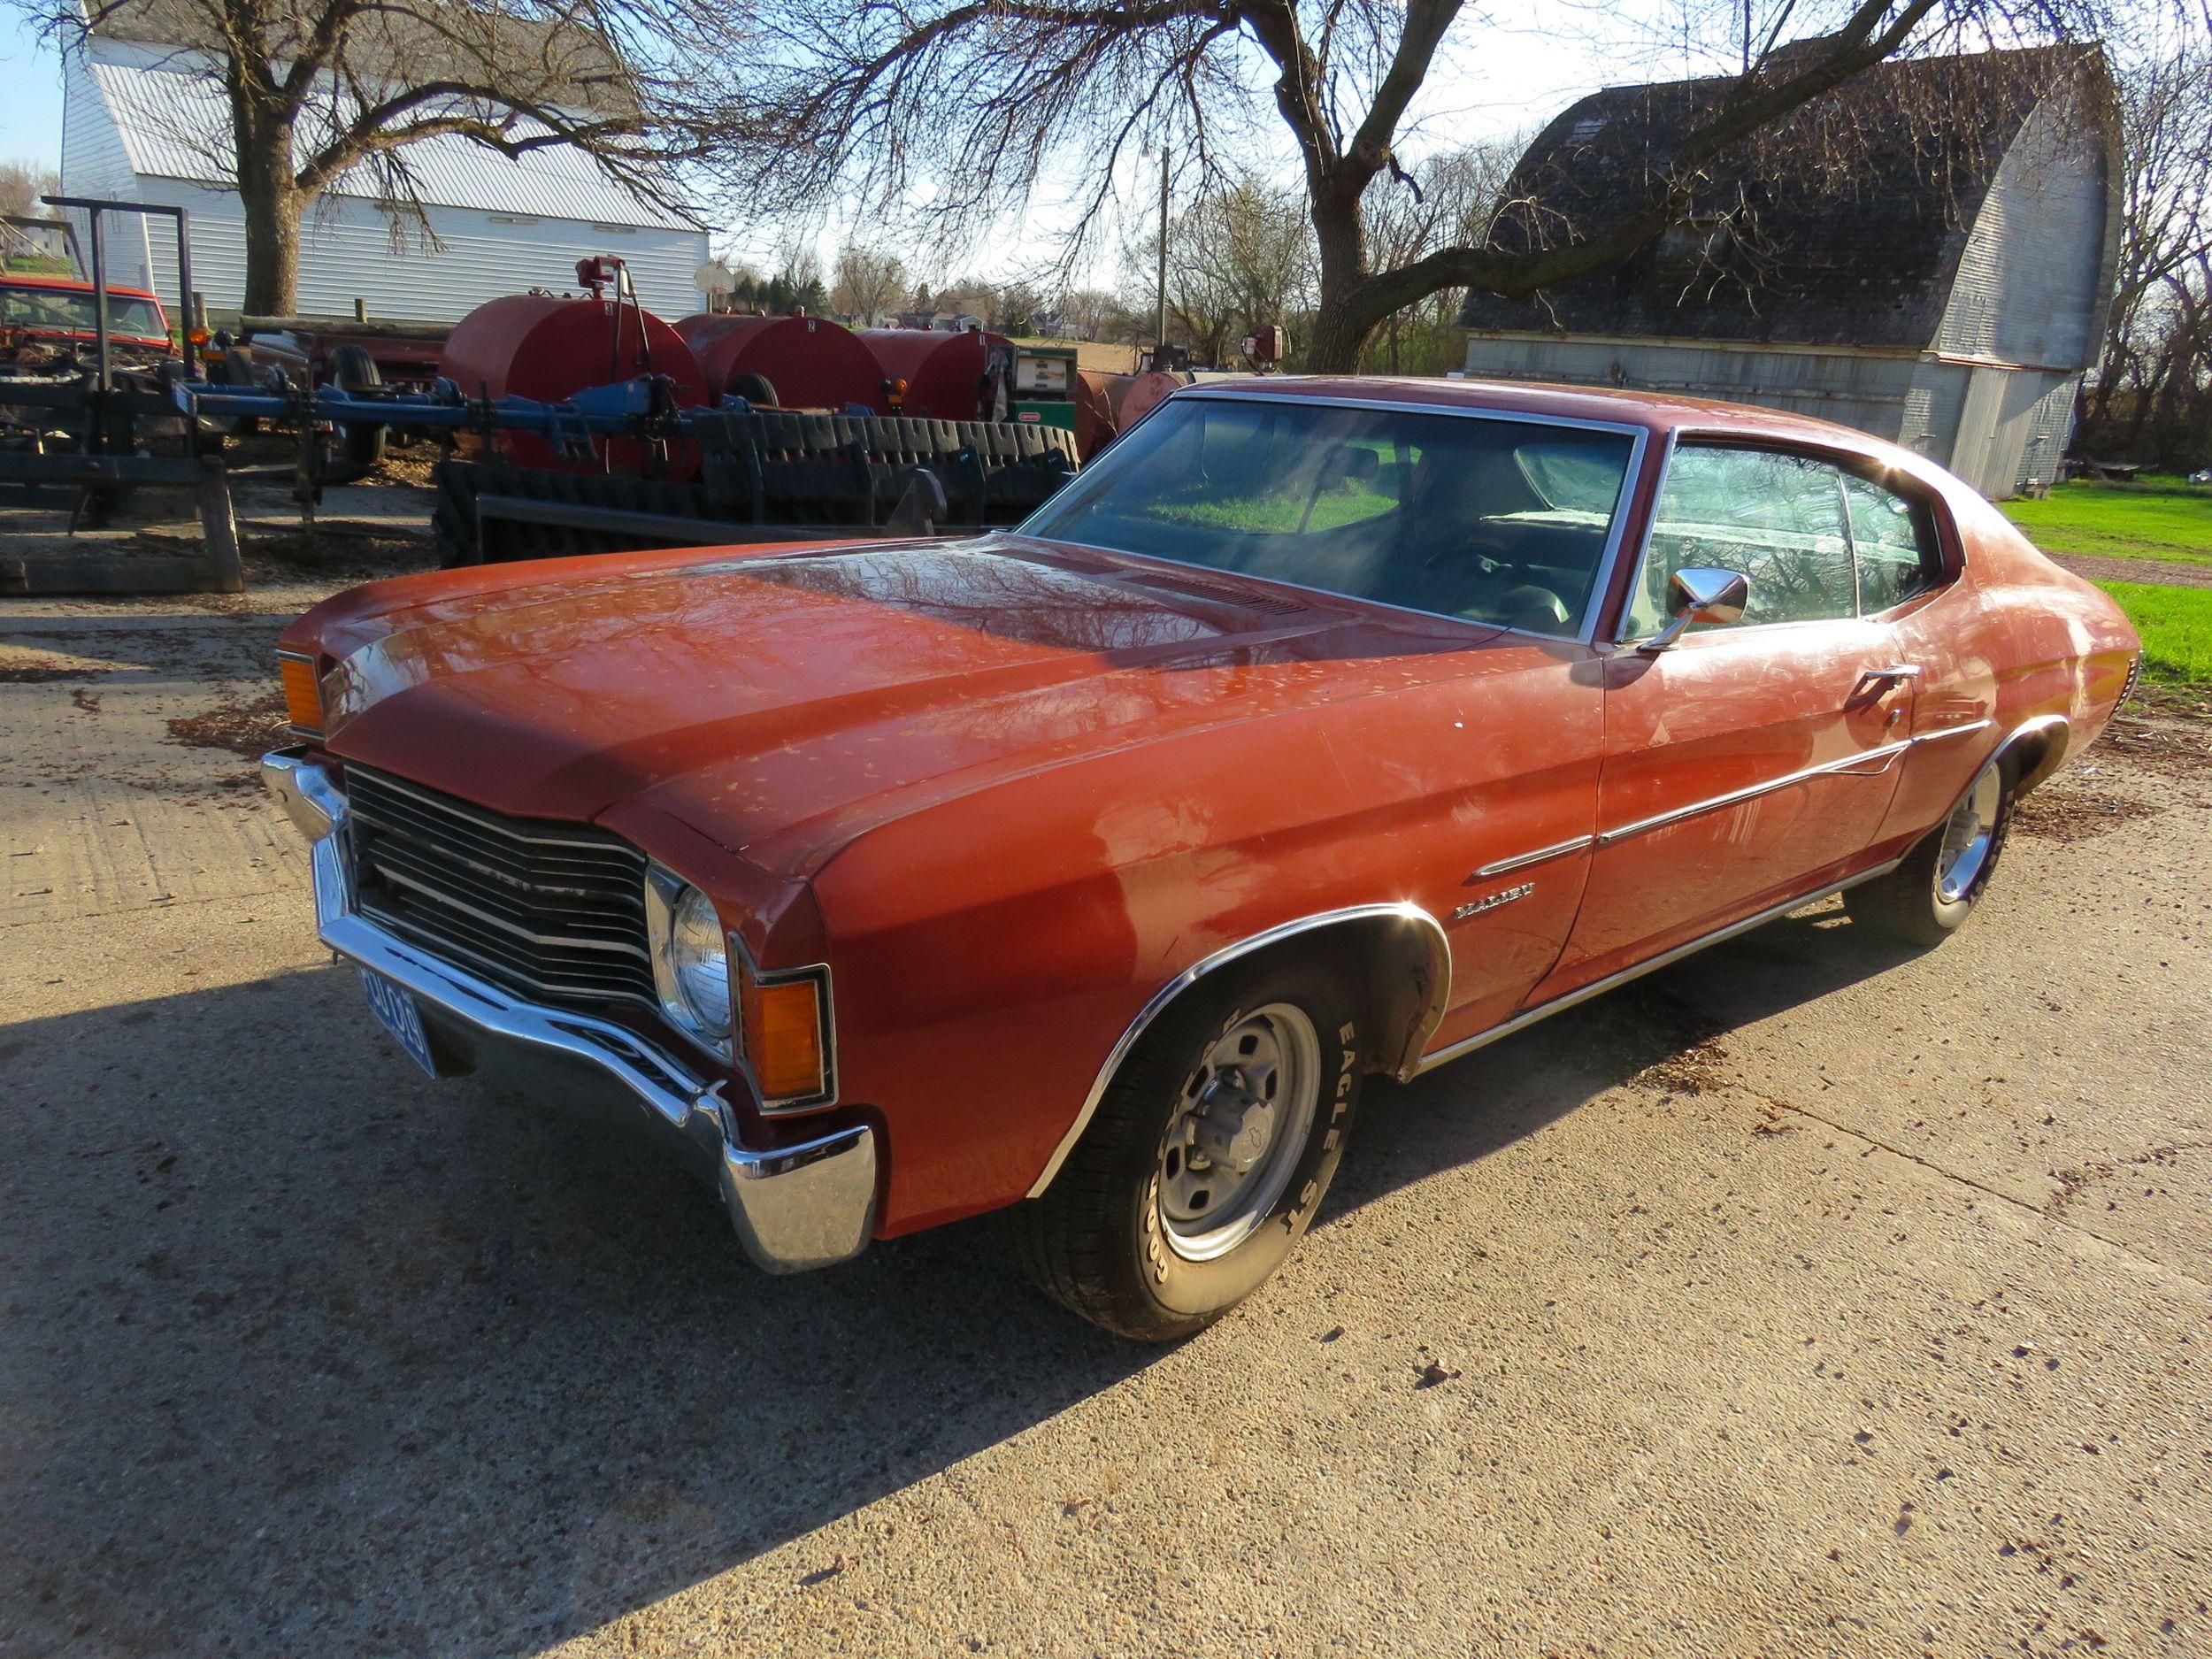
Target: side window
{"x": 1775, "y": 517}
{"x": 1895, "y": 543}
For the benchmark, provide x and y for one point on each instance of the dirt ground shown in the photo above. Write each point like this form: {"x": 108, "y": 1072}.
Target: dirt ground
{"x": 1810, "y": 1297}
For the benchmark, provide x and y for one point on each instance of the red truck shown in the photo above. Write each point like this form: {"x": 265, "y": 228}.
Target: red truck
{"x": 44, "y": 321}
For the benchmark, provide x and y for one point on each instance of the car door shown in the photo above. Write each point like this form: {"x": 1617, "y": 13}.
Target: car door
{"x": 1746, "y": 762}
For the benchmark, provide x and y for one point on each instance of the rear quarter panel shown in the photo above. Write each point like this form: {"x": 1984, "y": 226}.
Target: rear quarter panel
{"x": 2013, "y": 639}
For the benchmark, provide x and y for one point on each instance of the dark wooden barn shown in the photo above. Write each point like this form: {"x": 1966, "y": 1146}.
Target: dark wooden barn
{"x": 1926, "y": 253}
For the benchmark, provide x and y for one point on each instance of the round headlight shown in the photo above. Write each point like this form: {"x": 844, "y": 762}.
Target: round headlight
{"x": 701, "y": 963}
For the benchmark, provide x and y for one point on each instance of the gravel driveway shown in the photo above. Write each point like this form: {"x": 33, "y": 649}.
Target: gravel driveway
{"x": 1810, "y": 1297}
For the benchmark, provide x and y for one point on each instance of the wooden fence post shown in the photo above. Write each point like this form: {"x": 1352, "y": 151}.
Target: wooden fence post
{"x": 219, "y": 527}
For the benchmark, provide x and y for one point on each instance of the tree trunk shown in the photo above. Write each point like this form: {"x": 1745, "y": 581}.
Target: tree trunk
{"x": 1341, "y": 325}
{"x": 273, "y": 204}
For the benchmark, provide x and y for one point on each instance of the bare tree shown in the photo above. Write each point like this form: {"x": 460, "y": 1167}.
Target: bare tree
{"x": 1097, "y": 314}
{"x": 1449, "y": 200}
{"x": 869, "y": 283}
{"x": 302, "y": 96}
{"x": 1240, "y": 255}
{"x": 963, "y": 106}
{"x": 2156, "y": 343}
{"x": 21, "y": 184}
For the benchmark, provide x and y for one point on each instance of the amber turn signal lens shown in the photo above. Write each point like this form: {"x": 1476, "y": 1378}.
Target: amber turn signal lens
{"x": 786, "y": 1045}
{"x": 303, "y": 697}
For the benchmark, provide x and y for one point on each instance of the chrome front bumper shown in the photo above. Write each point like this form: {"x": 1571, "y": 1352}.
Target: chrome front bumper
{"x": 795, "y": 1208}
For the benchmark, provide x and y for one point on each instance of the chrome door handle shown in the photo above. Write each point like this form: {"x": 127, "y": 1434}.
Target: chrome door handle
{"x": 1894, "y": 671}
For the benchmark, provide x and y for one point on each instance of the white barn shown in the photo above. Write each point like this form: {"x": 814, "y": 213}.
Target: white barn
{"x": 142, "y": 122}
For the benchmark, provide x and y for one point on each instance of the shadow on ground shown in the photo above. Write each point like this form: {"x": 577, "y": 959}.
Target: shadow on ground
{"x": 305, "y": 1355}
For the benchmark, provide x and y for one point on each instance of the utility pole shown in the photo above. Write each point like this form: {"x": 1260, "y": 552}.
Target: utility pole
{"x": 1159, "y": 317}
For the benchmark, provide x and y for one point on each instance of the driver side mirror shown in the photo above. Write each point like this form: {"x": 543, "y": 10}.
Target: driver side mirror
{"x": 1700, "y": 595}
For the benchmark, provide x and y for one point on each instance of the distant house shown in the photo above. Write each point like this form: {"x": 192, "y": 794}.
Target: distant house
{"x": 937, "y": 322}
{"x": 142, "y": 122}
{"x": 1926, "y": 253}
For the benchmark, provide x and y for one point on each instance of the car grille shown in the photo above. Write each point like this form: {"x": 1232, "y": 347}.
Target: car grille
{"x": 556, "y": 911}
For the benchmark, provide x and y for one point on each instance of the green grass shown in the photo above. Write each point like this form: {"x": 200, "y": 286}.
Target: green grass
{"x": 2176, "y": 623}
{"x": 2151, "y": 520}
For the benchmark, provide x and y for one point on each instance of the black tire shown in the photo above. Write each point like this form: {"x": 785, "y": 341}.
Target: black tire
{"x": 360, "y": 442}
{"x": 1096, "y": 1241}
{"x": 237, "y": 370}
{"x": 756, "y": 390}
{"x": 1909, "y": 903}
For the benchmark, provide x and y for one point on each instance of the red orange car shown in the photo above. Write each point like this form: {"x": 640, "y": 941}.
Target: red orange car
{"x": 1320, "y": 729}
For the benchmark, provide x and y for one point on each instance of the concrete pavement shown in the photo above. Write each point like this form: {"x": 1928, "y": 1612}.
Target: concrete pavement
{"x": 1810, "y": 1297}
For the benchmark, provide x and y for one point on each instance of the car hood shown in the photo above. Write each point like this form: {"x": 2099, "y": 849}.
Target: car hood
{"x": 780, "y": 703}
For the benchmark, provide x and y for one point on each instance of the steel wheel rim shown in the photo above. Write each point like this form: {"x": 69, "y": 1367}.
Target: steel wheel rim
{"x": 1970, "y": 835}
{"x": 1250, "y": 1100}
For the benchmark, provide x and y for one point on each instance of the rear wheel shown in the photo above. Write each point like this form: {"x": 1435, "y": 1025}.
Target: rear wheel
{"x": 1207, "y": 1156}
{"x": 1927, "y": 897}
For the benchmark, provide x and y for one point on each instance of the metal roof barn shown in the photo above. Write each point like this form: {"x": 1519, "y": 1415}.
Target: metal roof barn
{"x": 142, "y": 121}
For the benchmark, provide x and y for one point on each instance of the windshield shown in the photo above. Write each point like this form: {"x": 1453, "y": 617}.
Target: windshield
{"x": 1489, "y": 519}
{"x": 70, "y": 311}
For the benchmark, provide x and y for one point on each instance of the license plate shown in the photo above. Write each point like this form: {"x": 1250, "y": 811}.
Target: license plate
{"x": 396, "y": 1012}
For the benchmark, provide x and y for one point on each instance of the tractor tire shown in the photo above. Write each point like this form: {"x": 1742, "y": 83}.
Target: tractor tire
{"x": 360, "y": 442}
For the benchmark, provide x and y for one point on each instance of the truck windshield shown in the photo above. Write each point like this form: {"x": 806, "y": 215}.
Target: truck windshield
{"x": 1490, "y": 520}
{"x": 69, "y": 311}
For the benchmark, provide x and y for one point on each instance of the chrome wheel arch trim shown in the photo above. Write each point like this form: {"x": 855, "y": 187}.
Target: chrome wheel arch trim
{"x": 1403, "y": 1066}
{"x": 2054, "y": 731}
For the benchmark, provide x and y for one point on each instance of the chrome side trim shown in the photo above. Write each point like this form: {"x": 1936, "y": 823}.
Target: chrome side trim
{"x": 1665, "y": 958}
{"x": 1522, "y": 861}
{"x": 1432, "y": 1013}
{"x": 795, "y": 1208}
{"x": 1750, "y": 792}
{"x": 1884, "y": 753}
{"x": 1966, "y": 730}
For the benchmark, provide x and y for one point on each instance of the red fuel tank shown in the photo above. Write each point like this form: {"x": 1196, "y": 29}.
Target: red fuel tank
{"x": 1097, "y": 395}
{"x": 549, "y": 347}
{"x": 808, "y": 362}
{"x": 1144, "y": 393}
{"x": 948, "y": 376}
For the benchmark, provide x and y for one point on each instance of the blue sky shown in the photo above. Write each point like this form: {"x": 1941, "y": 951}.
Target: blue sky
{"x": 30, "y": 115}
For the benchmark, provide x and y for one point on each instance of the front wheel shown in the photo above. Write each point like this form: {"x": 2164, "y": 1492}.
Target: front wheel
{"x": 1206, "y": 1157}
{"x": 1927, "y": 897}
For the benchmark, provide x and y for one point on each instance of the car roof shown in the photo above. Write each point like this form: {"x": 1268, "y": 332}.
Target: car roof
{"x": 73, "y": 285}
{"x": 1663, "y": 414}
